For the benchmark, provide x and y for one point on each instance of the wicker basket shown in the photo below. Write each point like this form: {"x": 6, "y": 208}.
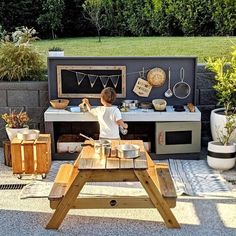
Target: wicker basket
{"x": 59, "y": 103}
{"x": 156, "y": 77}
{"x": 159, "y": 104}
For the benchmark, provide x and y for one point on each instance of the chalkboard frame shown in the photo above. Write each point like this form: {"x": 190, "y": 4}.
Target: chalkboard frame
{"x": 89, "y": 68}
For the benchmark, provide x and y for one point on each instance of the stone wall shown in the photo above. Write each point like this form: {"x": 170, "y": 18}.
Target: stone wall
{"x": 33, "y": 97}
{"x": 30, "y": 96}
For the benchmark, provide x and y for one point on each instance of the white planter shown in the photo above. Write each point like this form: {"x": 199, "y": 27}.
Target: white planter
{"x": 12, "y": 132}
{"x": 221, "y": 157}
{"x": 218, "y": 122}
{"x": 56, "y": 53}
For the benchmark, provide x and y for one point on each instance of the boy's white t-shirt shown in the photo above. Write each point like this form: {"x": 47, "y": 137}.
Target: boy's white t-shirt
{"x": 107, "y": 117}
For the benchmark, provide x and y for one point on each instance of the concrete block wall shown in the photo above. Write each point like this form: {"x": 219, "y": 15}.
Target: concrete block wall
{"x": 33, "y": 98}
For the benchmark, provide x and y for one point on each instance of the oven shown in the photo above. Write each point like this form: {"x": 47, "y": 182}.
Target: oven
{"x": 177, "y": 137}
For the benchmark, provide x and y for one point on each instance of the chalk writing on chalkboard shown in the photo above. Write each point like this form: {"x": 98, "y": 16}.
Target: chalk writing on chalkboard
{"x": 88, "y": 81}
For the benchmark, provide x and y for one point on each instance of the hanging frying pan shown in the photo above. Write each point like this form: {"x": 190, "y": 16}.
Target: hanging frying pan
{"x": 181, "y": 89}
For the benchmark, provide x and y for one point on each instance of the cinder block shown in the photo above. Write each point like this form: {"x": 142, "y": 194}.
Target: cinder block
{"x": 23, "y": 98}
{"x": 43, "y": 99}
{"x": 205, "y": 80}
{"x": 3, "y": 98}
{"x": 36, "y": 114}
{"x": 207, "y": 97}
{"x": 206, "y": 111}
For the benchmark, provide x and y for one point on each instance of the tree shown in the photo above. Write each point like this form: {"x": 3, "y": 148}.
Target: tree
{"x": 52, "y": 15}
{"x": 93, "y": 10}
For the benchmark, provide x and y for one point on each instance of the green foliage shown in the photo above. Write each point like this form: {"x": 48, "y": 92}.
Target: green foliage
{"x": 225, "y": 77}
{"x": 54, "y": 48}
{"x": 224, "y": 16}
{"x": 52, "y": 15}
{"x": 93, "y": 10}
{"x": 18, "y": 59}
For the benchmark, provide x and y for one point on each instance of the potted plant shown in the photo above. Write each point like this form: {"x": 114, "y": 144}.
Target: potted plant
{"x": 221, "y": 154}
{"x": 15, "y": 122}
{"x": 225, "y": 86}
{"x": 55, "y": 52}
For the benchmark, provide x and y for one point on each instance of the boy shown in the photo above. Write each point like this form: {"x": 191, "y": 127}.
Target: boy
{"x": 109, "y": 117}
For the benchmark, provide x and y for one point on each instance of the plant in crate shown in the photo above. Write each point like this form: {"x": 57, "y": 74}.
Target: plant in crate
{"x": 15, "y": 122}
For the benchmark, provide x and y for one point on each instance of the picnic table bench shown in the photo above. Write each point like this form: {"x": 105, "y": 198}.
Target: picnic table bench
{"x": 90, "y": 167}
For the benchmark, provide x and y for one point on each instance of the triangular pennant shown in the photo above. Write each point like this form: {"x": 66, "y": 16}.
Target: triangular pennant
{"x": 114, "y": 80}
{"x": 79, "y": 77}
{"x": 92, "y": 79}
{"x": 104, "y": 79}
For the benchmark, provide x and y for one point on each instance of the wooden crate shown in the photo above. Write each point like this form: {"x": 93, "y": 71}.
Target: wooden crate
{"x": 31, "y": 157}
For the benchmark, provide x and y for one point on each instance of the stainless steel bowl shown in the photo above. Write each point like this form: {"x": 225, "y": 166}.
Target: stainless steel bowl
{"x": 131, "y": 104}
{"x": 30, "y": 134}
{"x": 129, "y": 151}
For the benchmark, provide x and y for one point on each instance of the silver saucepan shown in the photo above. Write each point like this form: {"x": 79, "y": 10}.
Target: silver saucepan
{"x": 130, "y": 151}
{"x": 181, "y": 89}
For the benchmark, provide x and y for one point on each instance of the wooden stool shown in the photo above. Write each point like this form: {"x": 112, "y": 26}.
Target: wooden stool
{"x": 31, "y": 157}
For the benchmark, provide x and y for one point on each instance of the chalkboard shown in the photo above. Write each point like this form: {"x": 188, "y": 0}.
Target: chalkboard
{"x": 88, "y": 81}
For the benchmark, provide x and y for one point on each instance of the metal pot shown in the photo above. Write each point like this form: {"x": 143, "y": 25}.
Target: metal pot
{"x": 130, "y": 151}
{"x": 130, "y": 104}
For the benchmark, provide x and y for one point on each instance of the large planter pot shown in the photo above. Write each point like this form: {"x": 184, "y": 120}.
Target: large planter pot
{"x": 12, "y": 132}
{"x": 218, "y": 121}
{"x": 221, "y": 157}
{"x": 56, "y": 53}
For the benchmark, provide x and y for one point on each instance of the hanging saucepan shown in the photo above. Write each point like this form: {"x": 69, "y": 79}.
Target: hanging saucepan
{"x": 181, "y": 89}
{"x": 156, "y": 77}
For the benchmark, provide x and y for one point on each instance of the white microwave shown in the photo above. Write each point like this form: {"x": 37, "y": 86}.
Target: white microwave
{"x": 178, "y": 137}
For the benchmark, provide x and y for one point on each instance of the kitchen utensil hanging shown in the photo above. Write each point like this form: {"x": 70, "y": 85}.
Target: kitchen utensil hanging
{"x": 114, "y": 80}
{"x": 80, "y": 77}
{"x": 156, "y": 77}
{"x": 168, "y": 93}
{"x": 181, "y": 89}
{"x": 92, "y": 80}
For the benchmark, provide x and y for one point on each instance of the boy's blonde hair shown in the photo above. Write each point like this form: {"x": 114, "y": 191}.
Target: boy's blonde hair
{"x": 108, "y": 95}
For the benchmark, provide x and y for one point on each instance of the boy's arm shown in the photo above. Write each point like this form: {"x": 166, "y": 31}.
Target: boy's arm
{"x": 86, "y": 102}
{"x": 122, "y": 124}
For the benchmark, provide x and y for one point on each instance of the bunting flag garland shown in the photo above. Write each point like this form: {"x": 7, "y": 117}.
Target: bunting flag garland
{"x": 114, "y": 80}
{"x": 80, "y": 77}
{"x": 92, "y": 79}
{"x": 104, "y": 79}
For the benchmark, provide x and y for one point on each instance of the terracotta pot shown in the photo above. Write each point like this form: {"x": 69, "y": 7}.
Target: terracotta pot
{"x": 12, "y": 132}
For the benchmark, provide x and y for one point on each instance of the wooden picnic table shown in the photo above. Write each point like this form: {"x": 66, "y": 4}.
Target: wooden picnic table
{"x": 90, "y": 167}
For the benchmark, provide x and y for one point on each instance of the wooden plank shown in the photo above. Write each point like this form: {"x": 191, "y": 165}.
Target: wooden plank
{"x": 29, "y": 162}
{"x": 86, "y": 157}
{"x": 126, "y": 163}
{"x": 41, "y": 158}
{"x": 105, "y": 202}
{"x": 165, "y": 182}
{"x": 16, "y": 156}
{"x": 7, "y": 153}
{"x": 159, "y": 202}
{"x": 66, "y": 202}
{"x": 123, "y": 175}
{"x": 113, "y": 163}
{"x": 141, "y": 162}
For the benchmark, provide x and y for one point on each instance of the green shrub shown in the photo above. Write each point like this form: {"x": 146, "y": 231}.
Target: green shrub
{"x": 18, "y": 59}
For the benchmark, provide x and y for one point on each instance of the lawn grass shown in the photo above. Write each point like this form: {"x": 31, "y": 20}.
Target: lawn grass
{"x": 201, "y": 47}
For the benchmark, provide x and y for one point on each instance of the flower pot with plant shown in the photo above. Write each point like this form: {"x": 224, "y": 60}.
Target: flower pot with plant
{"x": 55, "y": 52}
{"x": 15, "y": 122}
{"x": 221, "y": 154}
{"x": 225, "y": 87}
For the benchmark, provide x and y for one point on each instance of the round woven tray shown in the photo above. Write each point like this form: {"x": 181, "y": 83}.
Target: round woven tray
{"x": 156, "y": 77}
